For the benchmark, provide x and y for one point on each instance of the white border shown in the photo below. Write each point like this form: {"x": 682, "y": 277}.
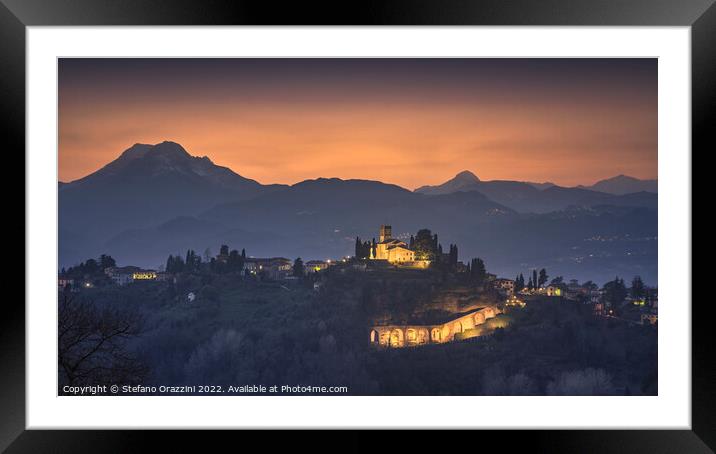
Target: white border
{"x": 670, "y": 409}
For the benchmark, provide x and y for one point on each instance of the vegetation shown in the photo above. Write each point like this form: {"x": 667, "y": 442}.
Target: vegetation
{"x": 211, "y": 324}
{"x": 92, "y": 344}
{"x": 240, "y": 330}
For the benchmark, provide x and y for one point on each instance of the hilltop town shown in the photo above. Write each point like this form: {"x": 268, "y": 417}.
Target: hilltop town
{"x": 384, "y": 257}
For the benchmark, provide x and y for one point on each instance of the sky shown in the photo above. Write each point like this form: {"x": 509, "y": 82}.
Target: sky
{"x": 409, "y": 122}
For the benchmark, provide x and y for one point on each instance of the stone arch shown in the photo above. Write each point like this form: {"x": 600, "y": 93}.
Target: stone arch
{"x": 423, "y": 336}
{"x": 396, "y": 338}
{"x": 479, "y": 318}
{"x": 436, "y": 335}
{"x": 457, "y": 327}
{"x": 489, "y": 312}
{"x": 411, "y": 336}
{"x": 374, "y": 336}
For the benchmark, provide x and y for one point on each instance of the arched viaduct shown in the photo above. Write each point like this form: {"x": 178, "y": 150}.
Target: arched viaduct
{"x": 414, "y": 335}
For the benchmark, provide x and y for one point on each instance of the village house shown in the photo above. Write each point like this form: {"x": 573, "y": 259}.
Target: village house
{"x": 505, "y": 287}
{"x": 553, "y": 290}
{"x": 273, "y": 268}
{"x": 144, "y": 275}
{"x": 127, "y": 274}
{"x": 163, "y": 276}
{"x": 121, "y": 275}
{"x": 63, "y": 282}
{"x": 314, "y": 266}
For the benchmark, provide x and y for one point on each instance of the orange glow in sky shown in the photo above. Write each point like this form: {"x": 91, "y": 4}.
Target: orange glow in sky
{"x": 397, "y": 125}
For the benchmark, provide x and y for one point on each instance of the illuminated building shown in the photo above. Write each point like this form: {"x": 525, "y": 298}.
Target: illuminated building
{"x": 144, "y": 275}
{"x": 313, "y": 266}
{"x": 396, "y": 336}
{"x": 273, "y": 268}
{"x": 514, "y": 301}
{"x": 127, "y": 274}
{"x": 553, "y": 290}
{"x": 504, "y": 286}
{"x": 394, "y": 250}
{"x": 391, "y": 249}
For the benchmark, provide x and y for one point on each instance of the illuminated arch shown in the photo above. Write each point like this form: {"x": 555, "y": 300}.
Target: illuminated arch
{"x": 374, "y": 336}
{"x": 396, "y": 338}
{"x": 411, "y": 336}
{"x": 457, "y": 327}
{"x": 489, "y": 312}
{"x": 479, "y": 318}
{"x": 423, "y": 336}
{"x": 436, "y": 335}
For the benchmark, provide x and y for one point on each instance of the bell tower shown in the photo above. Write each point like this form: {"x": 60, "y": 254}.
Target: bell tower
{"x": 385, "y": 233}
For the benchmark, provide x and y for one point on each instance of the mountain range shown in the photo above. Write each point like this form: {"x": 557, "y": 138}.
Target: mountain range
{"x": 547, "y": 197}
{"x": 154, "y": 200}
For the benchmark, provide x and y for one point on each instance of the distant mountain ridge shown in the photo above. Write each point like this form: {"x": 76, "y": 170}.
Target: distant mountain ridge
{"x": 145, "y": 185}
{"x": 537, "y": 197}
{"x": 623, "y": 184}
{"x": 155, "y": 200}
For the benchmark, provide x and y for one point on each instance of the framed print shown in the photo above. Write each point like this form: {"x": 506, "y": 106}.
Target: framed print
{"x": 417, "y": 216}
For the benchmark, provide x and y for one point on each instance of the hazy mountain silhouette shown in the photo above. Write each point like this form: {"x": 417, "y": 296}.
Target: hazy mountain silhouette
{"x": 463, "y": 181}
{"x": 623, "y": 184}
{"x": 145, "y": 185}
{"x": 158, "y": 200}
{"x": 317, "y": 218}
{"x": 545, "y": 185}
{"x": 527, "y": 198}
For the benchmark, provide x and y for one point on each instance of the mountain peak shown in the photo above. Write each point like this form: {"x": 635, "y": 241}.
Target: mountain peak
{"x": 624, "y": 184}
{"x": 168, "y": 149}
{"x": 467, "y": 177}
{"x": 463, "y": 181}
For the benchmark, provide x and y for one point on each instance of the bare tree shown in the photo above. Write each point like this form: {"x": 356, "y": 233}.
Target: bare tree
{"x": 92, "y": 344}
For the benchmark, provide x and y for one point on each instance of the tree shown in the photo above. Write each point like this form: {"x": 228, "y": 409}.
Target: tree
{"x": 106, "y": 261}
{"x": 559, "y": 280}
{"x": 519, "y": 282}
{"x": 614, "y": 293}
{"x": 591, "y": 286}
{"x": 170, "y": 264}
{"x": 534, "y": 279}
{"x": 362, "y": 249}
{"x": 542, "y": 278}
{"x": 298, "y": 270}
{"x": 478, "y": 271}
{"x": 224, "y": 250}
{"x": 425, "y": 245}
{"x": 235, "y": 263}
{"x": 92, "y": 345}
{"x": 453, "y": 255}
{"x": 638, "y": 291}
{"x": 192, "y": 261}
{"x": 175, "y": 264}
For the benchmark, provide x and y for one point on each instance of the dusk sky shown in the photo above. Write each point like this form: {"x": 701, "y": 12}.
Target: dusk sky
{"x": 409, "y": 122}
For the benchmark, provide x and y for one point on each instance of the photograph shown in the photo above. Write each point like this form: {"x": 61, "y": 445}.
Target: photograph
{"x": 357, "y": 226}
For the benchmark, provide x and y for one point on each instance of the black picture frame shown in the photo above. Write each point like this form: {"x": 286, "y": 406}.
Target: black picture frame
{"x": 16, "y": 15}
